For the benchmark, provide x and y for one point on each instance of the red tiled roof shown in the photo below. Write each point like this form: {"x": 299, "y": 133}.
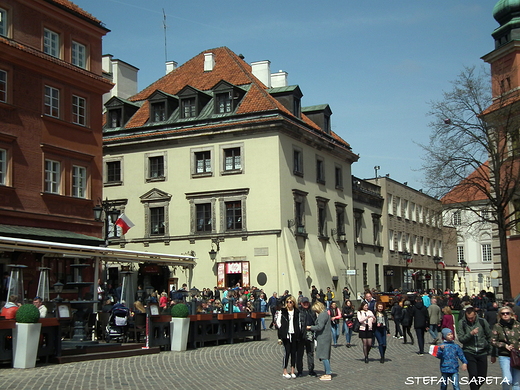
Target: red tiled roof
{"x": 73, "y": 7}
{"x": 470, "y": 189}
{"x": 228, "y": 67}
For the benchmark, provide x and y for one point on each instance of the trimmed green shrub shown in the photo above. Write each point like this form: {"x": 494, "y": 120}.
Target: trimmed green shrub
{"x": 180, "y": 310}
{"x": 27, "y": 314}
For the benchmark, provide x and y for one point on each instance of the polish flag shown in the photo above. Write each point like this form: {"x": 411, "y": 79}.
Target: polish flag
{"x": 124, "y": 223}
{"x": 467, "y": 269}
{"x": 442, "y": 263}
{"x": 409, "y": 260}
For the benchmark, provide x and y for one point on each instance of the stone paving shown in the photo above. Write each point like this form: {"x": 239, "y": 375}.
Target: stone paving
{"x": 245, "y": 365}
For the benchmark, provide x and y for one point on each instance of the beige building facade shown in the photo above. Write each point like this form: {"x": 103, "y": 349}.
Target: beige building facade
{"x": 211, "y": 159}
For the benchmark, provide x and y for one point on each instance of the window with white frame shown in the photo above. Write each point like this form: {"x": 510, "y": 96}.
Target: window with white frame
{"x": 421, "y": 245}
{"x": 400, "y": 241}
{"x": 338, "y": 176}
{"x": 203, "y": 217}
{"x": 155, "y": 167}
{"x": 460, "y": 253}
{"x": 376, "y": 227}
{"x": 52, "y": 101}
{"x": 52, "y": 176}
{"x": 390, "y": 199}
{"x": 157, "y": 221}
{"x": 420, "y": 213}
{"x": 3, "y": 167}
{"x": 232, "y": 159}
{"x": 3, "y": 22}
{"x": 413, "y": 214}
{"x": 51, "y": 43}
{"x": 398, "y": 206}
{"x": 391, "y": 242}
{"x": 79, "y": 55}
{"x": 415, "y": 244}
{"x": 428, "y": 247}
{"x": 457, "y": 218}
{"x": 156, "y": 213}
{"x": 358, "y": 225}
{"x": 487, "y": 256}
{"x": 202, "y": 162}
{"x": 3, "y": 86}
{"x": 406, "y": 209}
{"x": 79, "y": 181}
{"x": 79, "y": 105}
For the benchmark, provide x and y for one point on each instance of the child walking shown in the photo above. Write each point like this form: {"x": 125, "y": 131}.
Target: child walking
{"x": 449, "y": 353}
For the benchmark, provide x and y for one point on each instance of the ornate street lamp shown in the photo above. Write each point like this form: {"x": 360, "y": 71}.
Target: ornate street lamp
{"x": 110, "y": 213}
{"x": 437, "y": 261}
{"x": 408, "y": 258}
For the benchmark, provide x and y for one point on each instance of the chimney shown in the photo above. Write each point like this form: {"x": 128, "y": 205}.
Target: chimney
{"x": 262, "y": 71}
{"x": 279, "y": 79}
{"x": 209, "y": 62}
{"x": 170, "y": 65}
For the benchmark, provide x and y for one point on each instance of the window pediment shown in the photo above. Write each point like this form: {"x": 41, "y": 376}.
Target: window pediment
{"x": 155, "y": 195}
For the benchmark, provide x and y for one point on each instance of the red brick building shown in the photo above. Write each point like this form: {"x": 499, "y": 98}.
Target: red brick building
{"x": 51, "y": 89}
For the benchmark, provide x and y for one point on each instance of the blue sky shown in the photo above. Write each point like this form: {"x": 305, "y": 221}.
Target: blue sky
{"x": 377, "y": 64}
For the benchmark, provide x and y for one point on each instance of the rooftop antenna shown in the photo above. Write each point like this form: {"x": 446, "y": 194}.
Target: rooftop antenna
{"x": 165, "y": 46}
{"x": 377, "y": 168}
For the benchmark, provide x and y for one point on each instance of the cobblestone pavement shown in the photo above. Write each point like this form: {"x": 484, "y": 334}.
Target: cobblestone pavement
{"x": 245, "y": 365}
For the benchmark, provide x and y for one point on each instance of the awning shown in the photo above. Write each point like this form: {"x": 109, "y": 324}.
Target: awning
{"x": 57, "y": 249}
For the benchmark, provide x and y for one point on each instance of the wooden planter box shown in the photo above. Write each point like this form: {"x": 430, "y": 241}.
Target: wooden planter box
{"x": 239, "y": 315}
{"x": 226, "y": 316}
{"x": 201, "y": 317}
{"x": 258, "y": 315}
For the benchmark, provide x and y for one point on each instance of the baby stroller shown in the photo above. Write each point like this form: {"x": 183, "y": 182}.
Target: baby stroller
{"x": 117, "y": 326}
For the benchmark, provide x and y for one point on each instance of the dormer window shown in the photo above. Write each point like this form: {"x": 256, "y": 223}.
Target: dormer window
{"x": 193, "y": 102}
{"x": 158, "y": 112}
{"x": 227, "y": 97}
{"x": 162, "y": 106}
{"x": 119, "y": 111}
{"x": 319, "y": 114}
{"x": 189, "y": 109}
{"x": 290, "y": 97}
{"x": 224, "y": 103}
{"x": 115, "y": 116}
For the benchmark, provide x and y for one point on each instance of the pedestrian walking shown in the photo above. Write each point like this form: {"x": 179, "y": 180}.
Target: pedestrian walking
{"x": 421, "y": 322}
{"x": 335, "y": 316}
{"x": 382, "y": 329}
{"x": 306, "y": 345}
{"x": 273, "y": 303}
{"x": 289, "y": 334}
{"x": 505, "y": 336}
{"x": 434, "y": 311}
{"x": 397, "y": 315}
{"x": 347, "y": 313}
{"x": 474, "y": 335}
{"x": 407, "y": 321}
{"x": 449, "y": 352}
{"x": 366, "y": 320}
{"x": 323, "y": 333}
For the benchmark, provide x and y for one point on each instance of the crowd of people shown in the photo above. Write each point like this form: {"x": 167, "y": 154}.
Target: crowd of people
{"x": 485, "y": 329}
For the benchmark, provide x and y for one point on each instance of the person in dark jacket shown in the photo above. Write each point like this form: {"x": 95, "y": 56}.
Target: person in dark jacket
{"x": 491, "y": 314}
{"x": 474, "y": 335}
{"x": 306, "y": 345}
{"x": 397, "y": 315}
{"x": 407, "y": 321}
{"x": 289, "y": 333}
{"x": 421, "y": 322}
{"x": 348, "y": 320}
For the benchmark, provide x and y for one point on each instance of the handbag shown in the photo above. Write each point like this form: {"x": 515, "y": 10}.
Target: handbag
{"x": 356, "y": 325}
{"x": 514, "y": 354}
{"x": 350, "y": 324}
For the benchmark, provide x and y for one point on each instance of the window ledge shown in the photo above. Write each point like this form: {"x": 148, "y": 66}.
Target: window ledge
{"x": 155, "y": 179}
{"x": 320, "y": 181}
{"x": 7, "y": 106}
{"x": 298, "y": 173}
{"x": 113, "y": 184}
{"x": 231, "y": 172}
{"x": 204, "y": 174}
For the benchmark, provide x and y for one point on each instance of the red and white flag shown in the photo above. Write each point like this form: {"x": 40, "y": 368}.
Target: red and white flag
{"x": 124, "y": 223}
{"x": 467, "y": 269}
{"x": 442, "y": 263}
{"x": 409, "y": 260}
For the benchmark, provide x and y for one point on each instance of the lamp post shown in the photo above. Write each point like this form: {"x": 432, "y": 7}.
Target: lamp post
{"x": 437, "y": 261}
{"x": 463, "y": 264}
{"x": 110, "y": 213}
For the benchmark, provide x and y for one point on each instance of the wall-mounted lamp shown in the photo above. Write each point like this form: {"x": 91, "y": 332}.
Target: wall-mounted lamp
{"x": 339, "y": 234}
{"x": 213, "y": 253}
{"x": 300, "y": 229}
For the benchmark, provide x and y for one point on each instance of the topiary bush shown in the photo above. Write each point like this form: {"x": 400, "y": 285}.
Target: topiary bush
{"x": 28, "y": 314}
{"x": 180, "y": 310}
